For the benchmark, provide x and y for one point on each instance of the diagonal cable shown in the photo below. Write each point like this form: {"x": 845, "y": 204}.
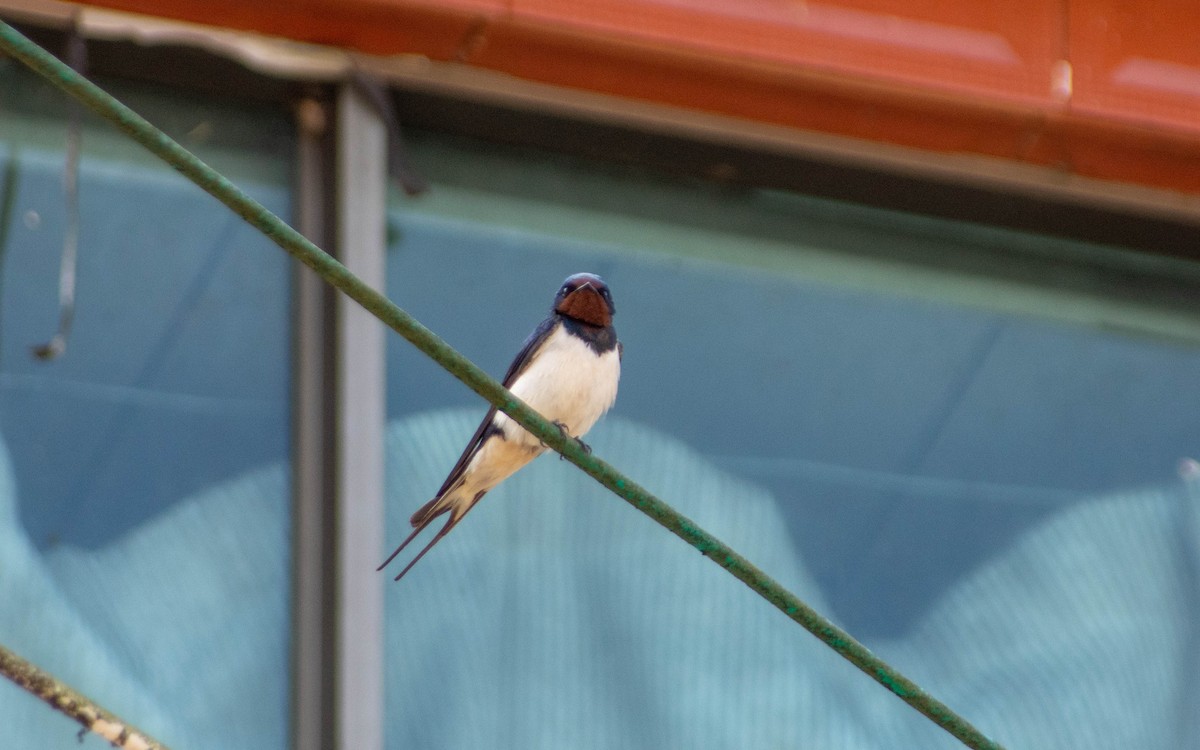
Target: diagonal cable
{"x": 435, "y": 348}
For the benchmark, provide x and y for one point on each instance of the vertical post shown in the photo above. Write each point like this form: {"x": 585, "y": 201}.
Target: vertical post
{"x": 338, "y": 422}
{"x": 361, "y": 182}
{"x": 313, "y": 652}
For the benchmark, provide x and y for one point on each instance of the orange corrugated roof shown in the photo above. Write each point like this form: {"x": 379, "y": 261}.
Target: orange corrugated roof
{"x": 1098, "y": 88}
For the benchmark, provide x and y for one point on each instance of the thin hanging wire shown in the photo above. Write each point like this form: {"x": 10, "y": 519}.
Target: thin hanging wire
{"x": 400, "y": 164}
{"x": 76, "y": 58}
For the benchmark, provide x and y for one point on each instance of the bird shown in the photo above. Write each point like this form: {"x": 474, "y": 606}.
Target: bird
{"x": 567, "y": 370}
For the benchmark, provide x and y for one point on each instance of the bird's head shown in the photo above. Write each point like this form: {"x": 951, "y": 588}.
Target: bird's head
{"x": 585, "y": 297}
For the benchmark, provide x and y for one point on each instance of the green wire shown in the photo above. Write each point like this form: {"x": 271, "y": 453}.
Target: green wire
{"x": 479, "y": 381}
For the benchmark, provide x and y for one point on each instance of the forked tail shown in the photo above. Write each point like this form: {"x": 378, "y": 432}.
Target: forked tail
{"x": 421, "y": 519}
{"x": 445, "y": 529}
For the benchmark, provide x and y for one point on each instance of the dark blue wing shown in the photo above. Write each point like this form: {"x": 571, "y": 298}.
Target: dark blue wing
{"x": 522, "y": 360}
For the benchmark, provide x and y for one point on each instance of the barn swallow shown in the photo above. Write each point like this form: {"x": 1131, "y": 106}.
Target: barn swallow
{"x": 567, "y": 371}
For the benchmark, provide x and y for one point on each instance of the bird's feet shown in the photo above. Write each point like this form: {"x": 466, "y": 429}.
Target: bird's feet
{"x": 567, "y": 433}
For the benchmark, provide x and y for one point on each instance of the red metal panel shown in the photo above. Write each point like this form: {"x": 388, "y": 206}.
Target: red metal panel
{"x": 768, "y": 92}
{"x": 1108, "y": 89}
{"x": 1137, "y": 62}
{"x": 1006, "y": 50}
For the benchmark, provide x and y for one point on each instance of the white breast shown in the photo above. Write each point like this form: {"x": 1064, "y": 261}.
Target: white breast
{"x": 567, "y": 382}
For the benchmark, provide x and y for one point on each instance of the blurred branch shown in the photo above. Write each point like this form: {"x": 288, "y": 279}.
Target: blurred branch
{"x": 75, "y": 705}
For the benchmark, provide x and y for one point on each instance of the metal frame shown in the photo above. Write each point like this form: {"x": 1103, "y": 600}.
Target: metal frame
{"x": 339, "y": 410}
{"x": 361, "y": 410}
{"x": 313, "y": 430}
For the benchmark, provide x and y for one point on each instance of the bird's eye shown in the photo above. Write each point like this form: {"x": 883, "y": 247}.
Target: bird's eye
{"x": 566, "y": 288}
